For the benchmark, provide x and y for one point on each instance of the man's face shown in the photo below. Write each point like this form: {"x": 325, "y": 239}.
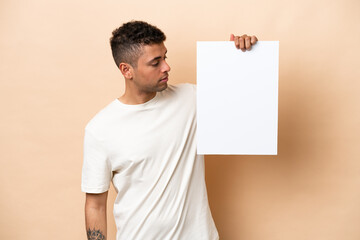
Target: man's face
{"x": 151, "y": 73}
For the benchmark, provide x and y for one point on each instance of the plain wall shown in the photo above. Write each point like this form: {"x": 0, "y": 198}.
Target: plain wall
{"x": 57, "y": 72}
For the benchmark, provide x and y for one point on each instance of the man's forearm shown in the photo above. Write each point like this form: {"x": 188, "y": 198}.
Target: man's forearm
{"x": 95, "y": 223}
{"x": 95, "y": 219}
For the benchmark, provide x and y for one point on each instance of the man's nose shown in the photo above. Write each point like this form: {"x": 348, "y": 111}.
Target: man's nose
{"x": 166, "y": 67}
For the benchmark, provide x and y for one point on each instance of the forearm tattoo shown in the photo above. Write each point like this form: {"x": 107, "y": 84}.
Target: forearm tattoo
{"x": 93, "y": 234}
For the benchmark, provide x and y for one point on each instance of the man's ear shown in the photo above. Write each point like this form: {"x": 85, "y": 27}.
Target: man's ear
{"x": 126, "y": 70}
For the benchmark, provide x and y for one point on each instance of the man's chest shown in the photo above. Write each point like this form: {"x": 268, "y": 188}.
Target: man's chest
{"x": 145, "y": 138}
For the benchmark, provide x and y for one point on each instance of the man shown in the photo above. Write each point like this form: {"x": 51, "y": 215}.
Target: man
{"x": 145, "y": 143}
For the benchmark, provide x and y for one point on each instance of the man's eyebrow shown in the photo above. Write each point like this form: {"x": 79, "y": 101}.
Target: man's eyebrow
{"x": 157, "y": 58}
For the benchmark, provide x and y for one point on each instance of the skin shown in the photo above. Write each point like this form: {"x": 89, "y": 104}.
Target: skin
{"x": 243, "y": 42}
{"x": 150, "y": 75}
{"x": 95, "y": 215}
{"x": 141, "y": 85}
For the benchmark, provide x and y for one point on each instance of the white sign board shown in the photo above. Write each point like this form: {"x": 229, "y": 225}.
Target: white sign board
{"x": 237, "y": 98}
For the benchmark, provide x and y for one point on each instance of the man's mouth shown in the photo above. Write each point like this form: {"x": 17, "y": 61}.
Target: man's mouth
{"x": 165, "y": 79}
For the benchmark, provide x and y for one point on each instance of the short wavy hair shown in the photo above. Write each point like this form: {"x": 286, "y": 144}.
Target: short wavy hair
{"x": 127, "y": 41}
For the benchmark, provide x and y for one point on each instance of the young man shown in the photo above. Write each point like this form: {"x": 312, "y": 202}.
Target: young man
{"x": 145, "y": 143}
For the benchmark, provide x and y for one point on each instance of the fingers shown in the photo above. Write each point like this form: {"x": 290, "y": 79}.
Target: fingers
{"x": 238, "y": 42}
{"x": 253, "y": 40}
{"x": 244, "y": 42}
{"x": 247, "y": 43}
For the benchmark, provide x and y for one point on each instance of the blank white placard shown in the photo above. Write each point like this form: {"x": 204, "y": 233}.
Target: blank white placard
{"x": 237, "y": 98}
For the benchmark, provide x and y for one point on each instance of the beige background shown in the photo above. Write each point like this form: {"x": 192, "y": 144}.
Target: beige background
{"x": 56, "y": 72}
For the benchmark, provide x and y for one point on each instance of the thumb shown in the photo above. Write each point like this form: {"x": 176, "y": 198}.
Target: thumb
{"x": 232, "y": 37}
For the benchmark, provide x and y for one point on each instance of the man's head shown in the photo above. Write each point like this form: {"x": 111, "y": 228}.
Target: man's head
{"x": 127, "y": 41}
{"x": 140, "y": 54}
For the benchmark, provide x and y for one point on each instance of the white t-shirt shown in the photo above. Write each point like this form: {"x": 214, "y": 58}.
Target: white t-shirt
{"x": 149, "y": 153}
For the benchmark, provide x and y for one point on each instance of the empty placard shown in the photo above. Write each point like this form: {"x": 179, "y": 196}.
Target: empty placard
{"x": 237, "y": 98}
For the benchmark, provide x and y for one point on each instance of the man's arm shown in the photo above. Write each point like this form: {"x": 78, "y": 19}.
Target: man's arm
{"x": 95, "y": 216}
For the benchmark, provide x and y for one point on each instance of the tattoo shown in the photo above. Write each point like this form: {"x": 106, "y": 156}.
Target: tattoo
{"x": 95, "y": 235}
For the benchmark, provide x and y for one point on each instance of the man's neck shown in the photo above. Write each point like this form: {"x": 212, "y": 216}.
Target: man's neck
{"x": 135, "y": 97}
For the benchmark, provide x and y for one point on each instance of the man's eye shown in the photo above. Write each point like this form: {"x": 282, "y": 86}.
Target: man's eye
{"x": 155, "y": 64}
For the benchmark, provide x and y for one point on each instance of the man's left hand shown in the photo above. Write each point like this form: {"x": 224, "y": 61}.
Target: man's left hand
{"x": 243, "y": 42}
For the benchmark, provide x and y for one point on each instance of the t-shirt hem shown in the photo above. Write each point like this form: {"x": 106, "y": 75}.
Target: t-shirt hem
{"x": 94, "y": 190}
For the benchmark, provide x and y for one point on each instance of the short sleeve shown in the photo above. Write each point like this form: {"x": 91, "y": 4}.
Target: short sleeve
{"x": 96, "y": 171}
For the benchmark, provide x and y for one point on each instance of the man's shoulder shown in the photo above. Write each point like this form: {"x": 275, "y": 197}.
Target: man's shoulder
{"x": 183, "y": 88}
{"x": 102, "y": 117}
{"x": 179, "y": 96}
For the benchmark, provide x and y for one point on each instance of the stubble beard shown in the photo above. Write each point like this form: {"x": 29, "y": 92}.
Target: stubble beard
{"x": 158, "y": 88}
